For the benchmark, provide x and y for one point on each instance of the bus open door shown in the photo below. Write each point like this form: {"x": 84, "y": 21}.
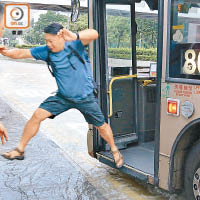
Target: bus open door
{"x": 127, "y": 85}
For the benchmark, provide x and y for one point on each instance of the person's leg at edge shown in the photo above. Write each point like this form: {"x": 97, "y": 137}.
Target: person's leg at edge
{"x": 107, "y": 134}
{"x": 30, "y": 130}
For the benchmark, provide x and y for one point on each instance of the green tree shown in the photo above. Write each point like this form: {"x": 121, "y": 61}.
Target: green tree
{"x": 118, "y": 31}
{"x": 146, "y": 33}
{"x": 12, "y": 38}
{"x": 81, "y": 24}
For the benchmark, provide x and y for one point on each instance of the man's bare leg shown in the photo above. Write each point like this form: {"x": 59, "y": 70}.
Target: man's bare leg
{"x": 30, "y": 130}
{"x": 107, "y": 134}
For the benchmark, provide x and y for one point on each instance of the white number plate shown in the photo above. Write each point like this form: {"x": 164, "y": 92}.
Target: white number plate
{"x": 192, "y": 62}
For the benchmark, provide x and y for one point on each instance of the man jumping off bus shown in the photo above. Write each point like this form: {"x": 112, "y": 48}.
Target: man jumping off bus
{"x": 66, "y": 55}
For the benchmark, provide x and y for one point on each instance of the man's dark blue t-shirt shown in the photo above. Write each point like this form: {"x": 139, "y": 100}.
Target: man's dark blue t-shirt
{"x": 74, "y": 79}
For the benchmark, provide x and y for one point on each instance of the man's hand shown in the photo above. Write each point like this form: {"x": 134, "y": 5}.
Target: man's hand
{"x": 3, "y": 134}
{"x": 2, "y": 47}
{"x": 86, "y": 36}
{"x": 67, "y": 35}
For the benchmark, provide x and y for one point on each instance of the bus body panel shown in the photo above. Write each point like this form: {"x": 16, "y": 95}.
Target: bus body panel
{"x": 172, "y": 126}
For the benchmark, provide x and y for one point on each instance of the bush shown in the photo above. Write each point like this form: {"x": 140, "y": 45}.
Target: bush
{"x": 26, "y": 46}
{"x": 147, "y": 57}
{"x": 141, "y": 53}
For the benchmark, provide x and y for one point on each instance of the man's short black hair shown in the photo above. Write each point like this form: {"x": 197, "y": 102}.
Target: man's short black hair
{"x": 53, "y": 28}
{"x": 1, "y": 9}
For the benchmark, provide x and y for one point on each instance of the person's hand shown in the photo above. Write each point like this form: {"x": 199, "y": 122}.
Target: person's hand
{"x": 67, "y": 35}
{"x": 3, "y": 134}
{"x": 2, "y": 49}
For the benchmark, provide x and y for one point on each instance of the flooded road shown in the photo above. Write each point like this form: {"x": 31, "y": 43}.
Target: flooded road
{"x": 24, "y": 86}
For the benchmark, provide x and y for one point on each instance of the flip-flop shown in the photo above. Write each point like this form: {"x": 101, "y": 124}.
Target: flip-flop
{"x": 119, "y": 159}
{"x": 19, "y": 157}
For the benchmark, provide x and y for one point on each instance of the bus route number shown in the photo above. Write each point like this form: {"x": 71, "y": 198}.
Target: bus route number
{"x": 192, "y": 62}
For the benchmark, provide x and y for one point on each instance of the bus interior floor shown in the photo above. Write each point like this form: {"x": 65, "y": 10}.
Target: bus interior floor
{"x": 140, "y": 156}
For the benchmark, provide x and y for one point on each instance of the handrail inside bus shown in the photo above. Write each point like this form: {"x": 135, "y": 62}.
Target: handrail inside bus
{"x": 110, "y": 89}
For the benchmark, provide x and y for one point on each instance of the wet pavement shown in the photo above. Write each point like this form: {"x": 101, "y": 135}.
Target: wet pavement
{"x": 46, "y": 173}
{"x": 57, "y": 165}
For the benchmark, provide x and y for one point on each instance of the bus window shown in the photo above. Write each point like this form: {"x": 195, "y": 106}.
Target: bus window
{"x": 119, "y": 62}
{"x": 119, "y": 45}
{"x": 184, "y": 56}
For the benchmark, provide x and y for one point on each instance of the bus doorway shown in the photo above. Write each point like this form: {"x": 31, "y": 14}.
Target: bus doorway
{"x": 126, "y": 72}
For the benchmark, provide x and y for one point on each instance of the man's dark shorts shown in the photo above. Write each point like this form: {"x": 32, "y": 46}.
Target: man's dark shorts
{"x": 89, "y": 107}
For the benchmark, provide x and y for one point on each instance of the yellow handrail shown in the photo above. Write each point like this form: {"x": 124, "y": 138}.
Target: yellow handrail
{"x": 110, "y": 89}
{"x": 147, "y": 82}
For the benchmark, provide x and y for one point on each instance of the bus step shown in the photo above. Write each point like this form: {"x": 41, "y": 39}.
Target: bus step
{"x": 123, "y": 140}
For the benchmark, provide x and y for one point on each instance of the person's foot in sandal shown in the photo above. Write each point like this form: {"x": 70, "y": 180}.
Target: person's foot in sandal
{"x": 14, "y": 154}
{"x": 118, "y": 158}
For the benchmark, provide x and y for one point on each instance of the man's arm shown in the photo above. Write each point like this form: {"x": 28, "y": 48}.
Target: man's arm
{"x": 86, "y": 36}
{"x": 16, "y": 53}
{"x": 3, "y": 133}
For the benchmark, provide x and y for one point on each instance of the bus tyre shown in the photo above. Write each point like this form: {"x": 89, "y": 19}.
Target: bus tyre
{"x": 192, "y": 174}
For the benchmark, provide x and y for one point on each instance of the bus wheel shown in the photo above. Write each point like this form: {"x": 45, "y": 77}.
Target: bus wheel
{"x": 192, "y": 174}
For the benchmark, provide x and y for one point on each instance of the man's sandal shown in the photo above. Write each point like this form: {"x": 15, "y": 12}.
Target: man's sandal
{"x": 119, "y": 159}
{"x": 8, "y": 156}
